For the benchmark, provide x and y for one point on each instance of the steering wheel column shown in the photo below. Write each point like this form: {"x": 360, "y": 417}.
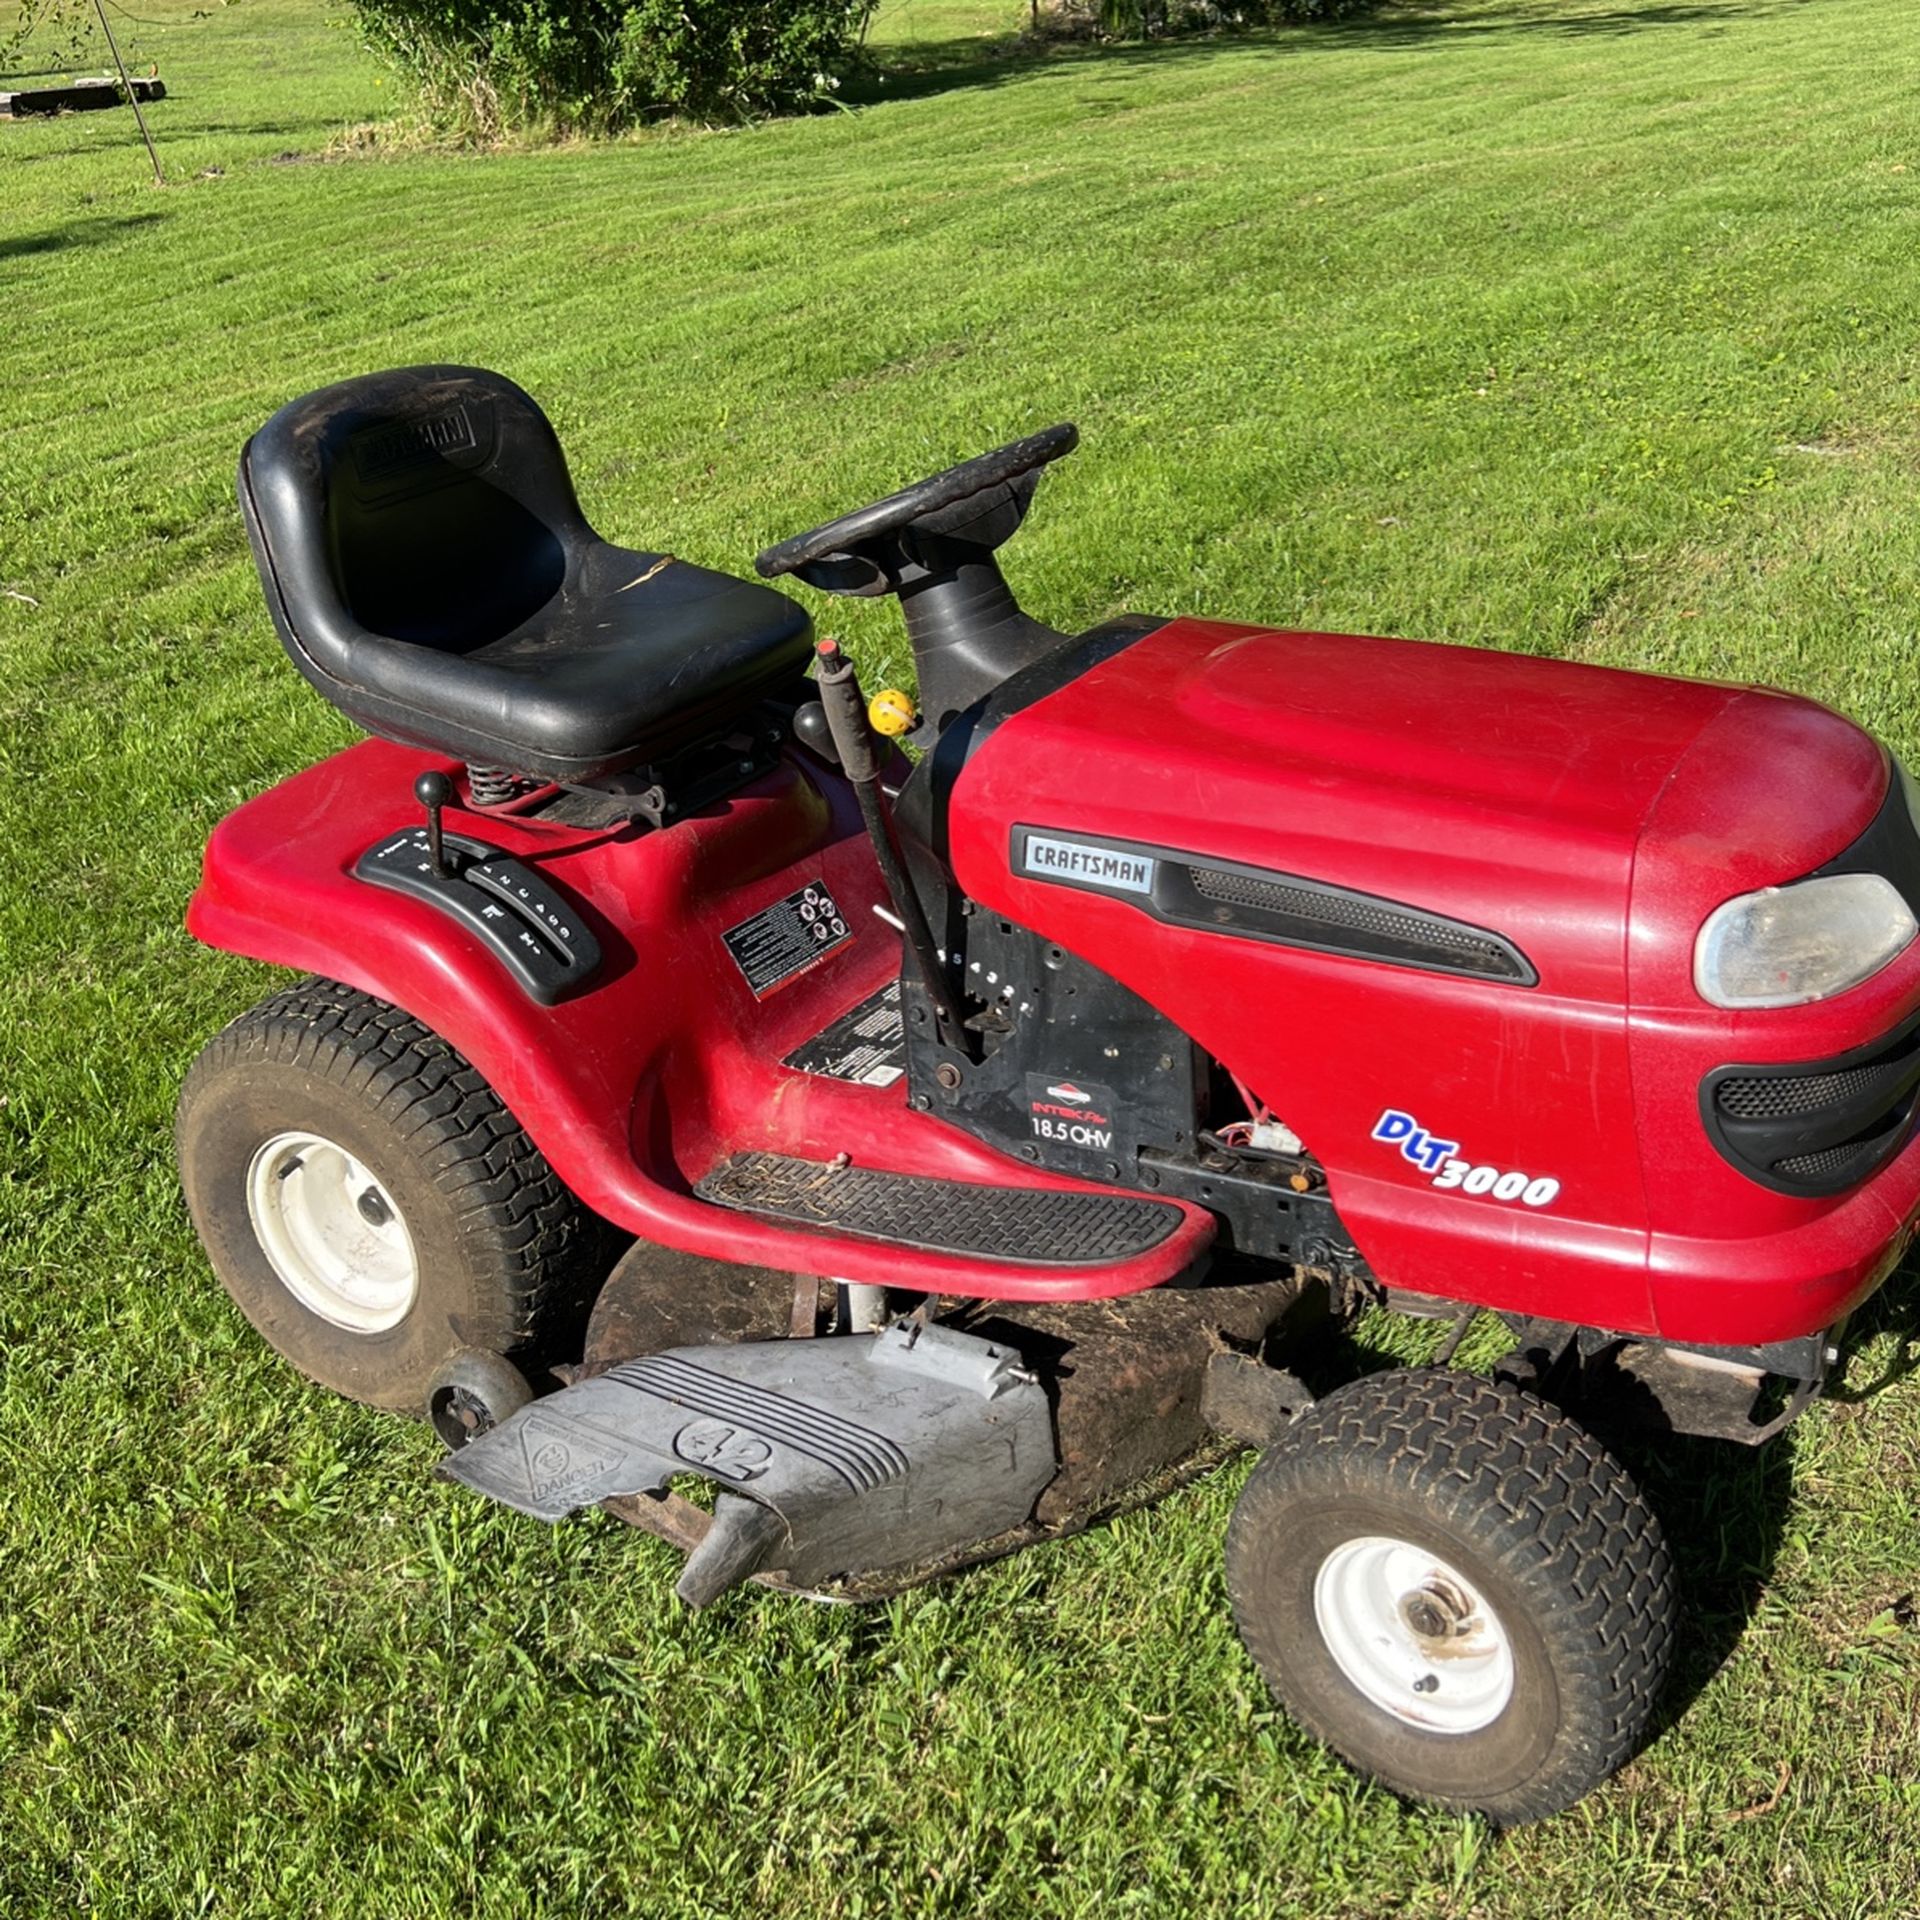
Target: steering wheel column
{"x": 933, "y": 545}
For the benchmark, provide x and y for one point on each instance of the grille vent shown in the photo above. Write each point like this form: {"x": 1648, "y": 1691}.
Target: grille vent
{"x": 1358, "y": 923}
{"x": 1770, "y": 1097}
{"x": 1819, "y": 1129}
{"x": 1847, "y": 1163}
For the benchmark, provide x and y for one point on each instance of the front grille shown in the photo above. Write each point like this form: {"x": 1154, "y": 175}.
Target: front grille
{"x": 1843, "y": 1165}
{"x": 1759, "y": 1097}
{"x": 1819, "y": 1127}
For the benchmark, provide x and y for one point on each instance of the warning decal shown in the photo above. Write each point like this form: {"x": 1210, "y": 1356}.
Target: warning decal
{"x": 867, "y": 1046}
{"x": 781, "y": 939}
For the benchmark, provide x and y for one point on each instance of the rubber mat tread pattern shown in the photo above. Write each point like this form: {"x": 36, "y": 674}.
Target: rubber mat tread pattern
{"x": 1026, "y": 1224}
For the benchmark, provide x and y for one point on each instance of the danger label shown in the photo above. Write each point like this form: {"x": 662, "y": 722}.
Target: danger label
{"x": 1071, "y": 1113}
{"x": 781, "y": 939}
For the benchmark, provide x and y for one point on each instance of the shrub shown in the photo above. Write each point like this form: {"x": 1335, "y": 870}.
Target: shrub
{"x": 1156, "y": 19}
{"x": 486, "y": 67}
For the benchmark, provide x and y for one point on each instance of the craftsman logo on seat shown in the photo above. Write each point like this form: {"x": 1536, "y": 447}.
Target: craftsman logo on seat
{"x": 1086, "y": 864}
{"x": 409, "y": 443}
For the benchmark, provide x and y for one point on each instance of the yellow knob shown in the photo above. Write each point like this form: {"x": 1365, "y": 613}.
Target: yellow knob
{"x": 891, "y": 712}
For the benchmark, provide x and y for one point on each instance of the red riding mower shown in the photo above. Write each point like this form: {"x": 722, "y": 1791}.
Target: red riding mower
{"x": 984, "y": 1128}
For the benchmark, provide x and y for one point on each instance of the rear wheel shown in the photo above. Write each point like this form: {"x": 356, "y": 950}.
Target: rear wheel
{"x": 1458, "y": 1589}
{"x": 371, "y": 1204}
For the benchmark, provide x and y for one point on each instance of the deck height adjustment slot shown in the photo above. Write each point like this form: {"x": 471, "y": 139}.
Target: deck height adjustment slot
{"x": 533, "y": 930}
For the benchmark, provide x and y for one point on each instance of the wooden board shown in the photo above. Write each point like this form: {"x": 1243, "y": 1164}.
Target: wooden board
{"x": 77, "y": 96}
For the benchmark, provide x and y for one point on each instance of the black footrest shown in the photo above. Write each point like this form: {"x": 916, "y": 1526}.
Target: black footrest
{"x": 1026, "y": 1224}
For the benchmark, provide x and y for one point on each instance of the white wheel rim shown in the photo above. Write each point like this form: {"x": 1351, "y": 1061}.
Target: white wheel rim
{"x": 331, "y": 1233}
{"x": 1413, "y": 1635}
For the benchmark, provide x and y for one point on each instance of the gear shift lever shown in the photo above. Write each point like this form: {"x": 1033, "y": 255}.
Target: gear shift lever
{"x": 433, "y": 791}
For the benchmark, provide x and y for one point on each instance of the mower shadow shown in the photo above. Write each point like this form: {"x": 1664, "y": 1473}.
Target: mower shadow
{"x": 1893, "y": 1311}
{"x": 913, "y": 70}
{"x": 1723, "y": 1508}
{"x": 87, "y": 232}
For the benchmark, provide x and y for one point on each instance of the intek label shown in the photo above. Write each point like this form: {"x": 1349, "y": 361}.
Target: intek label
{"x": 1070, "y": 1113}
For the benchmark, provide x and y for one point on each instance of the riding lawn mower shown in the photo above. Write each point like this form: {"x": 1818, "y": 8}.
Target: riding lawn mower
{"x": 857, "y": 1138}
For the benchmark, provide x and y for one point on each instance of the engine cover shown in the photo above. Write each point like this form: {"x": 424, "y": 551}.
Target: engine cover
{"x": 1435, "y": 906}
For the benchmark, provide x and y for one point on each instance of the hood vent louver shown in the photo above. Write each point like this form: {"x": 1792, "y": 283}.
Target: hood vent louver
{"x": 1252, "y": 903}
{"x": 1308, "y": 915}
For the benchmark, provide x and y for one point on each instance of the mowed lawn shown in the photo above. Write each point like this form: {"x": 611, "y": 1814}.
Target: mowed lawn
{"x": 1590, "y": 329}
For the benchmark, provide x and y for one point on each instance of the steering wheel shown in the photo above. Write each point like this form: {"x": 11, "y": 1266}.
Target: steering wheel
{"x": 839, "y": 538}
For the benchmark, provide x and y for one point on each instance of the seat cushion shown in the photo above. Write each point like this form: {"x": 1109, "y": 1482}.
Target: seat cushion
{"x": 430, "y": 571}
{"x": 636, "y": 656}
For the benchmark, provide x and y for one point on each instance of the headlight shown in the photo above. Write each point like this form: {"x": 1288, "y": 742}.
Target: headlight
{"x": 1784, "y": 946}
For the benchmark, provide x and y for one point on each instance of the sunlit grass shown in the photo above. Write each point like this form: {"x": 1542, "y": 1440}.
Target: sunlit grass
{"x": 1588, "y": 329}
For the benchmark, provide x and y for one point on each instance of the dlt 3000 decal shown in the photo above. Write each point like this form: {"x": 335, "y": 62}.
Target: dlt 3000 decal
{"x": 1440, "y": 1158}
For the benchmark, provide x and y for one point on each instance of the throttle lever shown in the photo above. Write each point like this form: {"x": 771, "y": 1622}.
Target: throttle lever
{"x": 435, "y": 791}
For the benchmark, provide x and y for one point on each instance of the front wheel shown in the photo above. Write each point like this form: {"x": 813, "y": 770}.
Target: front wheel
{"x": 1456, "y": 1588}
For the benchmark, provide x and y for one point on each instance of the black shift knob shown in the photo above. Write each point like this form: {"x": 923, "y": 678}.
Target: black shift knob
{"x": 434, "y": 791}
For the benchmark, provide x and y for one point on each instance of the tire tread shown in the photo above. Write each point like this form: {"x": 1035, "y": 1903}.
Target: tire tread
{"x": 1541, "y": 1492}
{"x": 545, "y": 1245}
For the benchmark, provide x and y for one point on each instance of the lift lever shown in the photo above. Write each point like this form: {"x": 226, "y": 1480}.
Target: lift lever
{"x": 854, "y": 742}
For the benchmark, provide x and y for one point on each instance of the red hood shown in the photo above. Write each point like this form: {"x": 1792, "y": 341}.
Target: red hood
{"x": 1506, "y": 791}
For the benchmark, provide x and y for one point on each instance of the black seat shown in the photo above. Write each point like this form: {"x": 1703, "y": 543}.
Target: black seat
{"x": 430, "y": 571}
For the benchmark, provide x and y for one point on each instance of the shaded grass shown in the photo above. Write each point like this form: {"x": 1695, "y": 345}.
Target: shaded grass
{"x": 1589, "y": 330}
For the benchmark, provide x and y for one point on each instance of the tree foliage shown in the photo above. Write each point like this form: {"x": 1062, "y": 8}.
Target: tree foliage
{"x": 59, "y": 30}
{"x": 1158, "y": 19}
{"x": 485, "y": 67}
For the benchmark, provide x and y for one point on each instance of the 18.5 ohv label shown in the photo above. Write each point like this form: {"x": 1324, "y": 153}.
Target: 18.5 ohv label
{"x": 781, "y": 939}
{"x": 1071, "y": 1113}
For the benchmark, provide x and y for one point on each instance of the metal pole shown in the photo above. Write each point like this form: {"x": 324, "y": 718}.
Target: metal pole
{"x": 159, "y": 178}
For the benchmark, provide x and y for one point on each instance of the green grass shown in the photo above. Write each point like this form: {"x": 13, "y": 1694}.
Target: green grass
{"x": 1588, "y": 328}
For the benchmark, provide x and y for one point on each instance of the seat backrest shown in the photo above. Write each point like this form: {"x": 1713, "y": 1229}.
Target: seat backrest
{"x": 427, "y": 504}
